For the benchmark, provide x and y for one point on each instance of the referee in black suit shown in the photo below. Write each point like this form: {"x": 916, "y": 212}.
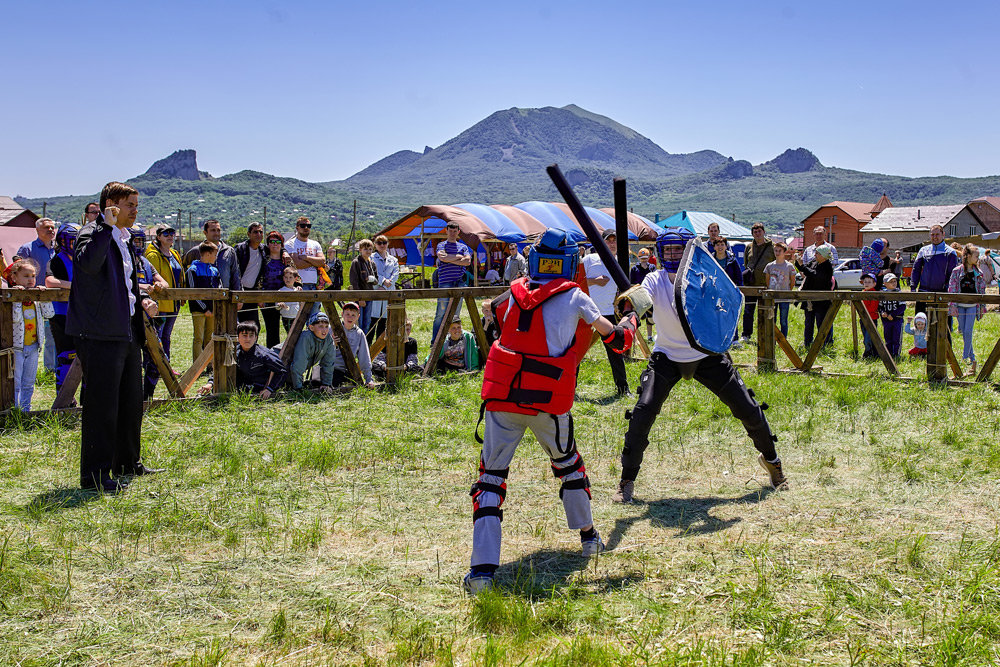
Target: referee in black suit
{"x": 105, "y": 317}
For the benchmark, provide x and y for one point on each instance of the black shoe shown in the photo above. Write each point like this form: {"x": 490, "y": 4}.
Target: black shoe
{"x": 107, "y": 486}
{"x": 141, "y": 470}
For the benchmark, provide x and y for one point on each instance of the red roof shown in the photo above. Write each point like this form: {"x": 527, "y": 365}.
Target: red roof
{"x": 992, "y": 201}
{"x": 858, "y": 210}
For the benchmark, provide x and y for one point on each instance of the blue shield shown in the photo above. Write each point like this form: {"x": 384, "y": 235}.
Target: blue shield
{"x": 708, "y": 302}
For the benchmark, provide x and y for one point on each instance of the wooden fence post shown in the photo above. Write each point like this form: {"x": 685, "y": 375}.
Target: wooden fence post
{"x": 765, "y": 333}
{"x": 395, "y": 334}
{"x": 346, "y": 353}
{"x": 224, "y": 376}
{"x": 453, "y": 305}
{"x": 937, "y": 341}
{"x": 6, "y": 355}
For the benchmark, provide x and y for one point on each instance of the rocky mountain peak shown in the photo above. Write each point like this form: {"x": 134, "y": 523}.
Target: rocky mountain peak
{"x": 795, "y": 161}
{"x": 181, "y": 164}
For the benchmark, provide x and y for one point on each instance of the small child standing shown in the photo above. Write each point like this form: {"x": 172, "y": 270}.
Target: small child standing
{"x": 919, "y": 333}
{"x": 891, "y": 313}
{"x": 27, "y": 323}
{"x": 202, "y": 274}
{"x": 291, "y": 309}
{"x": 871, "y": 305}
{"x": 781, "y": 276}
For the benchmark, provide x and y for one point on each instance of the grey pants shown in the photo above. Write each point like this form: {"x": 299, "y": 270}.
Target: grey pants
{"x": 504, "y": 431}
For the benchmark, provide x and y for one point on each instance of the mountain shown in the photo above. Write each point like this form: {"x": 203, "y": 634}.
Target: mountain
{"x": 502, "y": 160}
{"x": 508, "y": 150}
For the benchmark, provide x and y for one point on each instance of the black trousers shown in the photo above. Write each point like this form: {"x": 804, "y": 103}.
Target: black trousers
{"x": 814, "y": 320}
{"x": 112, "y": 408}
{"x": 617, "y": 362}
{"x": 272, "y": 321}
{"x": 749, "y": 309}
{"x": 715, "y": 372}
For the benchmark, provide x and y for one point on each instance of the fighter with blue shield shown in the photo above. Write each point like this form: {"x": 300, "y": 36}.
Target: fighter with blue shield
{"x": 695, "y": 308}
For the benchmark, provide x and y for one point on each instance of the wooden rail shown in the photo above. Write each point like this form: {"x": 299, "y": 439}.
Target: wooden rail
{"x": 226, "y": 305}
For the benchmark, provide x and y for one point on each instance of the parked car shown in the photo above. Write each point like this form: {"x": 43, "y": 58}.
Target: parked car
{"x": 848, "y": 274}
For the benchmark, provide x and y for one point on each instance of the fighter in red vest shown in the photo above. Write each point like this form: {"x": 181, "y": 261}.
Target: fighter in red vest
{"x": 545, "y": 322}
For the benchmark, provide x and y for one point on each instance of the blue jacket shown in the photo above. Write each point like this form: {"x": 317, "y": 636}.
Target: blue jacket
{"x": 98, "y": 299}
{"x": 254, "y": 368}
{"x": 932, "y": 268}
{"x": 203, "y": 276}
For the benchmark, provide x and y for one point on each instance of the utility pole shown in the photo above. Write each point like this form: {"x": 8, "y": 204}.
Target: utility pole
{"x": 45, "y": 205}
{"x": 189, "y": 224}
{"x": 350, "y": 239}
{"x": 265, "y": 216}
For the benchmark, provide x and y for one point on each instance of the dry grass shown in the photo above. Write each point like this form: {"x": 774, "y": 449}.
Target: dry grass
{"x": 337, "y": 531}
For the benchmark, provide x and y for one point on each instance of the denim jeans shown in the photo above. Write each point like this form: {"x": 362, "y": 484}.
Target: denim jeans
{"x": 365, "y": 318}
{"x": 966, "y": 321}
{"x": 783, "y": 318}
{"x": 25, "y": 370}
{"x": 49, "y": 358}
{"x": 442, "y": 306}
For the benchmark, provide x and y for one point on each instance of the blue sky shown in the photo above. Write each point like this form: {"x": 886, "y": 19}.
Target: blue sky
{"x": 319, "y": 90}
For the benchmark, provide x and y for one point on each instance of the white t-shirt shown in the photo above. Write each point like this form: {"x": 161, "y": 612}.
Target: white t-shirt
{"x": 561, "y": 313}
{"x": 307, "y": 248}
{"x": 670, "y": 337}
{"x": 604, "y": 296}
{"x": 249, "y": 277}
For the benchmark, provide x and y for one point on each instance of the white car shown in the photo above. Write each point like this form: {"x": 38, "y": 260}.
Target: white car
{"x": 848, "y": 274}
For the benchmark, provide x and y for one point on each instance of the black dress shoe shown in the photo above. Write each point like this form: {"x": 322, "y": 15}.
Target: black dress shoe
{"x": 107, "y": 486}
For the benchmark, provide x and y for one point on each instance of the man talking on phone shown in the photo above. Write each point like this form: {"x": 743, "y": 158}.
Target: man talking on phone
{"x": 105, "y": 316}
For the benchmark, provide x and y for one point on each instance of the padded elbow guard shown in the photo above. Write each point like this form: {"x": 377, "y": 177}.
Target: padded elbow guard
{"x": 620, "y": 339}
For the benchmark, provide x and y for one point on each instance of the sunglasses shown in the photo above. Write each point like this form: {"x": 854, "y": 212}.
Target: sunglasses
{"x": 381, "y": 243}
{"x": 452, "y": 226}
{"x": 168, "y": 233}
{"x": 274, "y": 241}
{"x": 304, "y": 226}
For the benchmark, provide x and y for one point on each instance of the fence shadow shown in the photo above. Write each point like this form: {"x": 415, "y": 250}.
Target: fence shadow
{"x": 535, "y": 575}
{"x": 690, "y": 516}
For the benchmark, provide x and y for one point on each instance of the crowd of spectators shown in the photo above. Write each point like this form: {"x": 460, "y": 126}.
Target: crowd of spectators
{"x": 267, "y": 261}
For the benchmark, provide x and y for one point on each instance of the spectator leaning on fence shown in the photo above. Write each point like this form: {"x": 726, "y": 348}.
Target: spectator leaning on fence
{"x": 225, "y": 261}
{"x": 314, "y": 347}
{"x": 364, "y": 277}
{"x": 892, "y": 313}
{"x": 273, "y": 271}
{"x": 818, "y": 277}
{"x": 758, "y": 255}
{"x": 202, "y": 274}
{"x": 27, "y": 320}
{"x": 967, "y": 278}
{"x": 42, "y": 250}
{"x": 250, "y": 257}
{"x": 781, "y": 276}
{"x": 307, "y": 257}
{"x": 453, "y": 257}
{"x": 167, "y": 262}
{"x": 933, "y": 266}
{"x": 387, "y": 275}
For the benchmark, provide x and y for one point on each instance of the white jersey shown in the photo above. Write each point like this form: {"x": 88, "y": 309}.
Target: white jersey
{"x": 603, "y": 296}
{"x": 670, "y": 337}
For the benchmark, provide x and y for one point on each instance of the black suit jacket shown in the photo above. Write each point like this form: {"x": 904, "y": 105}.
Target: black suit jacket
{"x": 98, "y": 299}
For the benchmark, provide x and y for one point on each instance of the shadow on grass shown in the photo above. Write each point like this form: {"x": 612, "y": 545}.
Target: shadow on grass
{"x": 56, "y": 500}
{"x": 537, "y": 574}
{"x": 26, "y": 422}
{"x": 604, "y": 400}
{"x": 690, "y": 516}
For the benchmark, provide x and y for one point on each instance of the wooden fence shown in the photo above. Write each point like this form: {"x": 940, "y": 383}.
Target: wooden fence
{"x": 226, "y": 305}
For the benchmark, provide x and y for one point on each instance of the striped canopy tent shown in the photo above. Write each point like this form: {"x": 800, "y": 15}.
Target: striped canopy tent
{"x": 601, "y": 219}
{"x": 644, "y": 230}
{"x": 698, "y": 222}
{"x": 478, "y": 225}
{"x": 553, "y": 217}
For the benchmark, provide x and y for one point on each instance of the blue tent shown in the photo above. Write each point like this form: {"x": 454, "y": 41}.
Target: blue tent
{"x": 698, "y": 222}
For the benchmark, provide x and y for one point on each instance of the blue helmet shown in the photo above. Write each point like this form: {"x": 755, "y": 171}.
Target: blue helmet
{"x": 137, "y": 232}
{"x": 672, "y": 236}
{"x": 66, "y": 237}
{"x": 553, "y": 256}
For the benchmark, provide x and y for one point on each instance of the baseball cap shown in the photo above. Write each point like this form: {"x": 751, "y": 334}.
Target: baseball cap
{"x": 319, "y": 317}
{"x": 889, "y": 276}
{"x": 164, "y": 227}
{"x": 609, "y": 232}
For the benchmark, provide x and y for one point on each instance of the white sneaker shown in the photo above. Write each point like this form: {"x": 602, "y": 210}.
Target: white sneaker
{"x": 474, "y": 585}
{"x": 592, "y": 545}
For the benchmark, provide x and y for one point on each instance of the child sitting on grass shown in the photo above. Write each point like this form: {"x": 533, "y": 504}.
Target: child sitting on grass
{"x": 919, "y": 333}
{"x": 891, "y": 313}
{"x": 358, "y": 343}
{"x": 258, "y": 369}
{"x": 27, "y": 323}
{"x": 459, "y": 352}
{"x": 412, "y": 361}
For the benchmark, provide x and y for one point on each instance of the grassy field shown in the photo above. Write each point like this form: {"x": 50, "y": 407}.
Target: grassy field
{"x": 312, "y": 531}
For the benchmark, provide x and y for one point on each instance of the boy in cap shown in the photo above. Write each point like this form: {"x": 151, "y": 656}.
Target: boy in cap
{"x": 891, "y": 313}
{"x": 315, "y": 346}
{"x": 258, "y": 369}
{"x": 356, "y": 340}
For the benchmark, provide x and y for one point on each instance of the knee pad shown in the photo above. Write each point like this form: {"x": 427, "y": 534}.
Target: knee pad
{"x": 573, "y": 463}
{"x": 480, "y": 487}
{"x": 63, "y": 362}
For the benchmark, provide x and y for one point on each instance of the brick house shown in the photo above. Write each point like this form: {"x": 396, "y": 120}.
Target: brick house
{"x": 843, "y": 220}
